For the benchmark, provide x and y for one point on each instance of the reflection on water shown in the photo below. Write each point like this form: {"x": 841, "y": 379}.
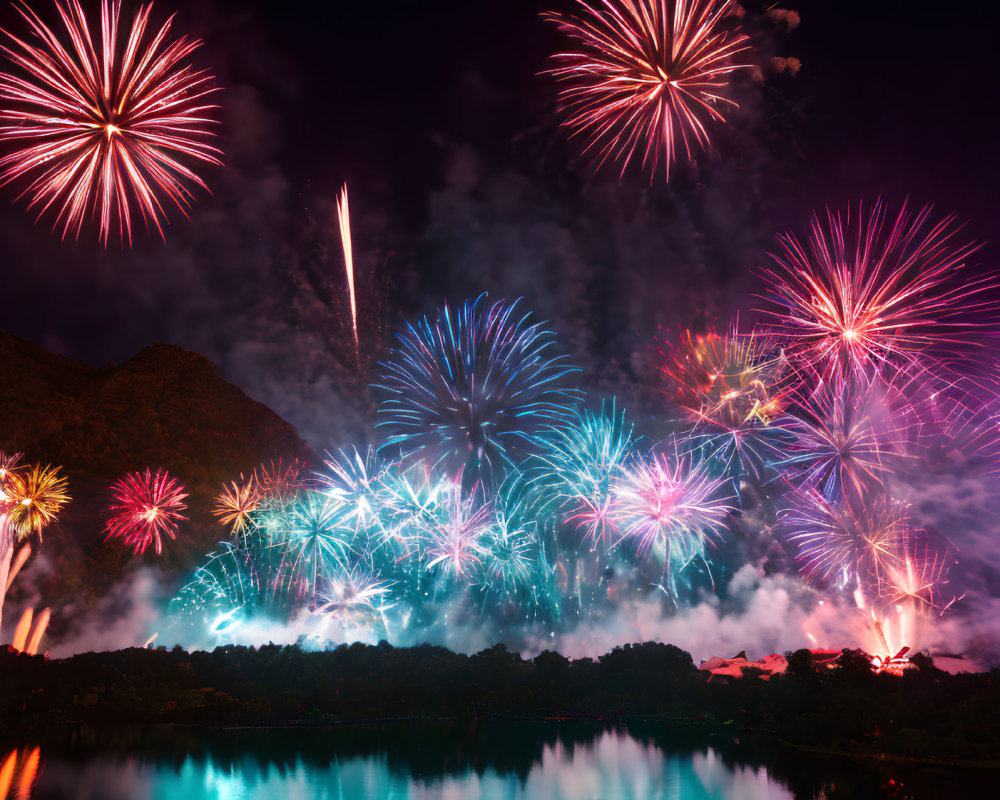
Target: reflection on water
{"x": 420, "y": 761}
{"x": 613, "y": 765}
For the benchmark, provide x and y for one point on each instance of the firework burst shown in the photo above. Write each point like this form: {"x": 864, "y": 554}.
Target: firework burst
{"x": 354, "y": 483}
{"x": 672, "y": 507}
{"x": 353, "y": 590}
{"x": 236, "y": 504}
{"x": 848, "y": 542}
{"x": 456, "y": 534}
{"x": 847, "y": 439}
{"x": 867, "y": 293}
{"x": 582, "y": 460}
{"x": 646, "y": 75}
{"x": 509, "y": 556}
{"x": 313, "y": 544}
{"x": 733, "y": 388}
{"x": 39, "y": 493}
{"x": 147, "y": 508}
{"x": 103, "y": 126}
{"x": 471, "y": 393}
{"x": 279, "y": 483}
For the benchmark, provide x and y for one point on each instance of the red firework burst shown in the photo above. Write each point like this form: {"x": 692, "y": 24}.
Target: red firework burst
{"x": 104, "y": 124}
{"x": 646, "y": 73}
{"x": 864, "y": 293}
{"x": 146, "y": 508}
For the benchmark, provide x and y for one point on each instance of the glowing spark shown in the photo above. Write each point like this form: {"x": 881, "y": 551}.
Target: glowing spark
{"x": 344, "y": 217}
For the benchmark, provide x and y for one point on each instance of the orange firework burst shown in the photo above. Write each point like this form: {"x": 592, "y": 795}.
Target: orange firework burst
{"x": 646, "y": 73}
{"x": 235, "y": 503}
{"x": 104, "y": 125}
{"x": 279, "y": 483}
{"x": 727, "y": 380}
{"x": 146, "y": 508}
{"x": 39, "y": 493}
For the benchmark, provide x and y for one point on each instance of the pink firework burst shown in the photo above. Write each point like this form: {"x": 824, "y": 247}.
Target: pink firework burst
{"x": 867, "y": 292}
{"x": 103, "y": 125}
{"x": 645, "y": 74}
{"x": 146, "y": 508}
{"x": 672, "y": 506}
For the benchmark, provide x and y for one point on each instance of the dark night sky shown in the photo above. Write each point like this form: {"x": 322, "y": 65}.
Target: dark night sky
{"x": 434, "y": 113}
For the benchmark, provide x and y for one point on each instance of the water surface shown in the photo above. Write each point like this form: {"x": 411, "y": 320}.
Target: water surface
{"x": 420, "y": 761}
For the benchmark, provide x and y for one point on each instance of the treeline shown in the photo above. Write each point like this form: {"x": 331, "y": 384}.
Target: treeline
{"x": 925, "y": 713}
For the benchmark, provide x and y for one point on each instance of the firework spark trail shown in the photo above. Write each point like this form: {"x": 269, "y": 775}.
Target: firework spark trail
{"x": 103, "y": 125}
{"x": 471, "y": 393}
{"x": 146, "y": 508}
{"x": 864, "y": 294}
{"x": 344, "y": 218}
{"x": 646, "y": 73}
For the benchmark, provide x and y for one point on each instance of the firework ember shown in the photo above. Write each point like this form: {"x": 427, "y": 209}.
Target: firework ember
{"x": 647, "y": 76}
{"x": 103, "y": 126}
{"x": 146, "y": 508}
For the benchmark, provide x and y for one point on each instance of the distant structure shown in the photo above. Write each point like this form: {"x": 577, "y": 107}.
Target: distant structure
{"x": 728, "y": 669}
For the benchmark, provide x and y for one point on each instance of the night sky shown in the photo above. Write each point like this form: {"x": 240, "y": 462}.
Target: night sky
{"x": 461, "y": 181}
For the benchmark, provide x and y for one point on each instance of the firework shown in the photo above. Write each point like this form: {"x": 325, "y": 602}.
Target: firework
{"x": 673, "y": 507}
{"x": 344, "y": 219}
{"x": 848, "y": 542}
{"x": 103, "y": 126}
{"x": 146, "y": 508}
{"x": 228, "y": 581}
{"x": 353, "y": 591}
{"x": 847, "y": 439}
{"x": 312, "y": 543}
{"x": 39, "y": 493}
{"x": 509, "y": 556}
{"x": 9, "y": 464}
{"x": 236, "y": 504}
{"x": 470, "y": 393}
{"x": 867, "y": 293}
{"x": 733, "y": 388}
{"x": 354, "y": 484}
{"x": 278, "y": 483}
{"x": 581, "y": 461}
{"x": 455, "y": 534}
{"x": 645, "y": 75}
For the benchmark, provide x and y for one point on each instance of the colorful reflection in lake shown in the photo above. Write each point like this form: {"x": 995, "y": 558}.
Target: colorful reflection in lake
{"x": 449, "y": 761}
{"x": 613, "y": 766}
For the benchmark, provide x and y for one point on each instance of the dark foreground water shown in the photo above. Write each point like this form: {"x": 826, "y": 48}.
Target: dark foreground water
{"x": 420, "y": 761}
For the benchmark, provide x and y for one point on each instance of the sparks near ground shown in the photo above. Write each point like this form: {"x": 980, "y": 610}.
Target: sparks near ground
{"x": 103, "y": 126}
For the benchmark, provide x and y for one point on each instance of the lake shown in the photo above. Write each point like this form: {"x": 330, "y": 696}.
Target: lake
{"x": 473, "y": 761}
